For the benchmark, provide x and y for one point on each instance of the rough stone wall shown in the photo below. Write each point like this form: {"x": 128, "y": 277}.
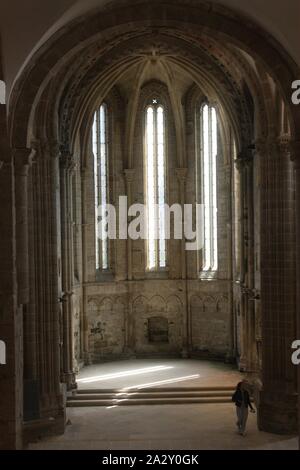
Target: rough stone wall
{"x": 106, "y": 323}
{"x": 209, "y": 321}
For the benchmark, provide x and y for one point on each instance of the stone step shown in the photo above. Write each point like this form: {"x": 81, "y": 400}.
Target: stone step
{"x": 141, "y": 395}
{"x": 229, "y": 388}
{"x": 147, "y": 401}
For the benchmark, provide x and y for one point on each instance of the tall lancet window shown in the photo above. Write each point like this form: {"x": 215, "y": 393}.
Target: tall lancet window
{"x": 209, "y": 146}
{"x": 155, "y": 143}
{"x": 100, "y": 150}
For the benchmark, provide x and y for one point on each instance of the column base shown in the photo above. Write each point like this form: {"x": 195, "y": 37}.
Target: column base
{"x": 185, "y": 354}
{"x": 230, "y": 358}
{"x": 242, "y": 364}
{"x": 129, "y": 353}
{"x": 277, "y": 413}
{"x": 44, "y": 427}
{"x": 31, "y": 397}
{"x": 11, "y": 436}
{"x": 70, "y": 380}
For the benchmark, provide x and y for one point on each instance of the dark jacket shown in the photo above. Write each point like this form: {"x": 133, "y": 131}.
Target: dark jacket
{"x": 239, "y": 397}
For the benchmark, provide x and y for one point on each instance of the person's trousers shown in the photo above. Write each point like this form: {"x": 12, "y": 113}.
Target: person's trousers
{"x": 242, "y": 415}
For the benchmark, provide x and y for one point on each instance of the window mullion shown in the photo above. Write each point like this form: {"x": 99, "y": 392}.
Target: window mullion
{"x": 156, "y": 189}
{"x": 214, "y": 188}
{"x": 99, "y": 185}
{"x": 211, "y": 182}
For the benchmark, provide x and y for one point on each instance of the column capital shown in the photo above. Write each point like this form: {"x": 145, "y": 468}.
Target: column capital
{"x": 53, "y": 148}
{"x": 46, "y": 148}
{"x": 244, "y": 159}
{"x": 181, "y": 174}
{"x": 67, "y": 160}
{"x": 23, "y": 159}
{"x": 284, "y": 145}
{"x": 279, "y": 146}
{"x": 129, "y": 175}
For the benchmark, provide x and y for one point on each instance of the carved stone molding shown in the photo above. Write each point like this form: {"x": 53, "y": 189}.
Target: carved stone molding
{"x": 53, "y": 149}
{"x": 278, "y": 146}
{"x": 46, "y": 148}
{"x": 23, "y": 159}
{"x": 244, "y": 159}
{"x": 284, "y": 145}
{"x": 67, "y": 161}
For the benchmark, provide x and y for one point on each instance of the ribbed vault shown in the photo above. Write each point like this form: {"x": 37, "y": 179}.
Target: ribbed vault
{"x": 219, "y": 50}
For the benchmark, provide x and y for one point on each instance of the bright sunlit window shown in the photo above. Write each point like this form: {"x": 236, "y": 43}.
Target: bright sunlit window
{"x": 100, "y": 150}
{"x": 155, "y": 185}
{"x": 209, "y": 145}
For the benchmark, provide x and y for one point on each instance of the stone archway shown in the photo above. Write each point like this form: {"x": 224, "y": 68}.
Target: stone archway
{"x": 48, "y": 106}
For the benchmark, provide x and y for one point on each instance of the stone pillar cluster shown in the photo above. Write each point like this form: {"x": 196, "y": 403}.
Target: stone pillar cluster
{"x": 67, "y": 166}
{"x": 295, "y": 154}
{"x": 11, "y": 373}
{"x": 186, "y": 331}
{"x": 248, "y": 358}
{"x": 129, "y": 177}
{"x": 277, "y": 407}
{"x": 43, "y": 400}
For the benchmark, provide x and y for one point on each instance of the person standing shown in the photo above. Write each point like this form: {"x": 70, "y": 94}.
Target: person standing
{"x": 242, "y": 402}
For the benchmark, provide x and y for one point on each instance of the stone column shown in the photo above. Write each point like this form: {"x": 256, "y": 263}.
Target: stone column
{"x": 23, "y": 159}
{"x": 241, "y": 167}
{"x": 26, "y": 280}
{"x": 67, "y": 166}
{"x": 231, "y": 355}
{"x": 45, "y": 207}
{"x": 85, "y": 277}
{"x": 277, "y": 407}
{"x": 129, "y": 318}
{"x": 11, "y": 373}
{"x": 260, "y": 152}
{"x": 186, "y": 321}
{"x": 248, "y": 344}
{"x": 182, "y": 175}
{"x": 295, "y": 153}
{"x": 129, "y": 176}
{"x": 250, "y": 280}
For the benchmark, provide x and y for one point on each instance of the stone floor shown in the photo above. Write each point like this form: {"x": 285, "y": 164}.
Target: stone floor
{"x": 175, "y": 427}
{"x": 168, "y": 427}
{"x": 157, "y": 373}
